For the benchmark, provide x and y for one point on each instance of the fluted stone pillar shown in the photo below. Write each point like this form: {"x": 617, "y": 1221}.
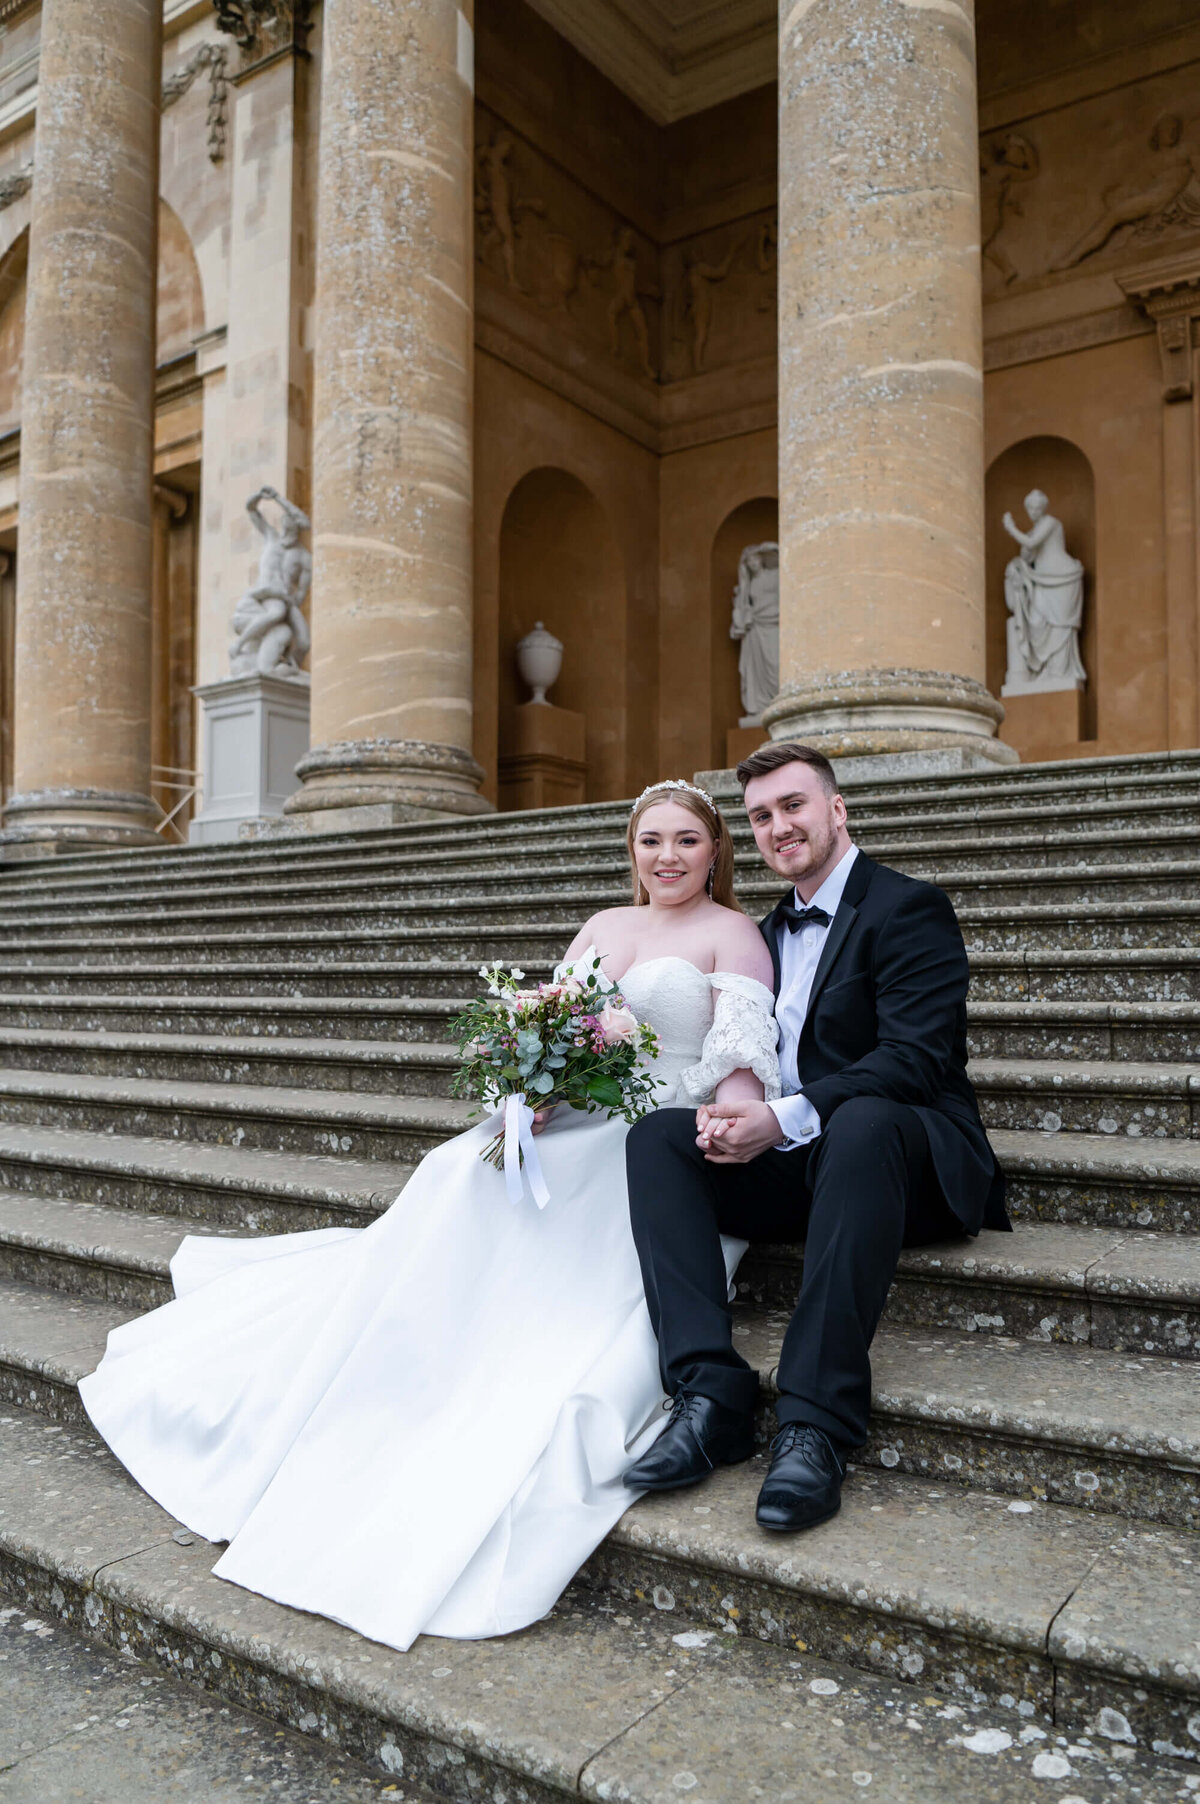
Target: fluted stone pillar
{"x": 84, "y": 576}
{"x": 882, "y": 644}
{"x": 392, "y": 426}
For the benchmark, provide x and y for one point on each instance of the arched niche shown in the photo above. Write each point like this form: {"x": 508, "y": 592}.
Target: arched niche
{"x": 1063, "y": 472}
{"x": 748, "y": 524}
{"x": 559, "y": 564}
{"x": 180, "y": 291}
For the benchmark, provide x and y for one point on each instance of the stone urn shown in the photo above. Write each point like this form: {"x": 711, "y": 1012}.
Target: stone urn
{"x": 539, "y": 660}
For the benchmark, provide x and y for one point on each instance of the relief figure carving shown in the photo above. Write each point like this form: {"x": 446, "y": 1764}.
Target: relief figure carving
{"x": 1165, "y": 190}
{"x": 497, "y": 207}
{"x": 699, "y": 280}
{"x": 766, "y": 259}
{"x": 627, "y": 296}
{"x": 1001, "y": 172}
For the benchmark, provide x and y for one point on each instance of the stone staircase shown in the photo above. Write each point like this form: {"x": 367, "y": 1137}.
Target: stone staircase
{"x": 255, "y": 1040}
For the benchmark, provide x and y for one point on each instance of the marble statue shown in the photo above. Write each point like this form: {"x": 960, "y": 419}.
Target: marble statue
{"x": 756, "y": 624}
{"x": 270, "y": 633}
{"x": 1043, "y": 591}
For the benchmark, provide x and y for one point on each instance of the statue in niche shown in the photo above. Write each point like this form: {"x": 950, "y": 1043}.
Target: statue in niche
{"x": 1160, "y": 194}
{"x": 1001, "y": 172}
{"x": 627, "y": 296}
{"x": 496, "y": 204}
{"x": 699, "y": 280}
{"x": 1043, "y": 592}
{"x": 756, "y": 624}
{"x": 270, "y": 633}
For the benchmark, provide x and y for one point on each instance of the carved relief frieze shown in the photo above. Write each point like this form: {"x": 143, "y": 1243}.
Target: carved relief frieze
{"x": 1089, "y": 187}
{"x": 721, "y": 291}
{"x": 543, "y": 241}
{"x": 264, "y": 29}
{"x": 210, "y": 57}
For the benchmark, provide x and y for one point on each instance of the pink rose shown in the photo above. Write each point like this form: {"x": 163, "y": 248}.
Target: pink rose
{"x": 617, "y": 1024}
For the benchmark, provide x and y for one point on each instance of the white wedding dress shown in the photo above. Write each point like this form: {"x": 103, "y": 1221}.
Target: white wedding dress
{"x": 421, "y": 1426}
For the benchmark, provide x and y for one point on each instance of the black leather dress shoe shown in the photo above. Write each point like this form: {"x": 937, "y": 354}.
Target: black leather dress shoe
{"x": 700, "y": 1436}
{"x": 804, "y": 1484}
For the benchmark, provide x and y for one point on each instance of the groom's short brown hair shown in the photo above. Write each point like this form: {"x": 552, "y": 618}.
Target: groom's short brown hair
{"x": 785, "y": 751}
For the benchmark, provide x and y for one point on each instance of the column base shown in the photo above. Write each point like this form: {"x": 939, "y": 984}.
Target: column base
{"x": 49, "y": 823}
{"x": 873, "y": 713}
{"x": 357, "y": 783}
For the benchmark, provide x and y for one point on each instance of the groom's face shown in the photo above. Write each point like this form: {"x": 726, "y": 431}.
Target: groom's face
{"x": 799, "y": 828}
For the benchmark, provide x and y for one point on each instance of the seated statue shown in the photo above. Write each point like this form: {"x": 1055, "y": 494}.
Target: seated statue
{"x": 1043, "y": 591}
{"x": 270, "y": 633}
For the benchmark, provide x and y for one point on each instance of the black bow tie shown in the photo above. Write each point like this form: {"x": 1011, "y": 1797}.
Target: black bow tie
{"x": 797, "y": 918}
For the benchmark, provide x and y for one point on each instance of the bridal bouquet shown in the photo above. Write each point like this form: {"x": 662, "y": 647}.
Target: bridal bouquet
{"x": 573, "y": 1040}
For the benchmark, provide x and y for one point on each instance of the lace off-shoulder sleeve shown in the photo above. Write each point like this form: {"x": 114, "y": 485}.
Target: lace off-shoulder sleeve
{"x": 742, "y": 1038}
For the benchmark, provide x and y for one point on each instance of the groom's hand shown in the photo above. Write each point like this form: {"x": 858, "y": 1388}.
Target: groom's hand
{"x": 732, "y": 1133}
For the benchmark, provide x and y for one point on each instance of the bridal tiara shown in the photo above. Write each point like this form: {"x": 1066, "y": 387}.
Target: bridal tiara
{"x": 674, "y": 783}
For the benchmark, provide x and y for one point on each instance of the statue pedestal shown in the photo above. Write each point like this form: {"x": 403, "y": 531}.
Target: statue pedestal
{"x": 1043, "y": 721}
{"x": 544, "y": 765}
{"x": 255, "y": 731}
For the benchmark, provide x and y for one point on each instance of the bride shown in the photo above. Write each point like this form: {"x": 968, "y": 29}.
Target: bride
{"x": 422, "y": 1426}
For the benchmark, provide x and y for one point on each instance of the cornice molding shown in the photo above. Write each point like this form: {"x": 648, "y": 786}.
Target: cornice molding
{"x": 673, "y": 57}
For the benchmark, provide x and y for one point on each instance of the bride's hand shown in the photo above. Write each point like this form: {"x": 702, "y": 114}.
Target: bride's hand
{"x": 541, "y": 1117}
{"x": 733, "y": 1133}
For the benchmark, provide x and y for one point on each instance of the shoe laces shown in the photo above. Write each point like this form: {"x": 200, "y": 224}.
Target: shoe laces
{"x": 681, "y": 1406}
{"x": 795, "y": 1434}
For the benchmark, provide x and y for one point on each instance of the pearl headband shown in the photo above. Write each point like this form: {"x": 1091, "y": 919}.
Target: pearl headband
{"x": 674, "y": 783}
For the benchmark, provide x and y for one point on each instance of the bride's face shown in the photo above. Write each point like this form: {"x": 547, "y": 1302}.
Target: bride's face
{"x": 672, "y": 851}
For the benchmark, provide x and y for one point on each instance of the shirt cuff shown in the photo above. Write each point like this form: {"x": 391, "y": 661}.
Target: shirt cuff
{"x": 798, "y": 1121}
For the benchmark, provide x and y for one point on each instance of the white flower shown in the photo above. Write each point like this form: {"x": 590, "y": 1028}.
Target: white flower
{"x": 517, "y": 975}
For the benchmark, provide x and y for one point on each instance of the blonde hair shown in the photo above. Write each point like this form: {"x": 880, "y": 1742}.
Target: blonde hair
{"x": 713, "y": 822}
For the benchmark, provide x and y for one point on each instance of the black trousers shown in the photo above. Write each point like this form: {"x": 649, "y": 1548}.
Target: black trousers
{"x": 861, "y": 1191}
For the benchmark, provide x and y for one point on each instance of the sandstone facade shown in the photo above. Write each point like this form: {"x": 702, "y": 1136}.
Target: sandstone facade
{"x": 542, "y": 320}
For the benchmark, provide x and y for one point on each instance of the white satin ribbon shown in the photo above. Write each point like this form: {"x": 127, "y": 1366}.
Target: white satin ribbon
{"x": 518, "y": 1139}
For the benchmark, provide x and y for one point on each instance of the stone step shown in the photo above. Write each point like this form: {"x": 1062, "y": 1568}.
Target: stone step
{"x": 366, "y": 1067}
{"x": 243, "y": 1188}
{"x": 1150, "y": 1100}
{"x": 1120, "y": 1290}
{"x": 1164, "y": 923}
{"x": 1115, "y": 1432}
{"x": 601, "y": 865}
{"x": 605, "y": 1702}
{"x": 1108, "y": 1180}
{"x": 1082, "y": 1286}
{"x": 1154, "y": 1101}
{"x": 1109, "y": 973}
{"x": 528, "y": 901}
{"x": 1084, "y": 1030}
{"x": 274, "y": 1118}
{"x": 1042, "y": 1606}
{"x": 361, "y": 980}
{"x": 1140, "y": 1030}
{"x": 407, "y": 1019}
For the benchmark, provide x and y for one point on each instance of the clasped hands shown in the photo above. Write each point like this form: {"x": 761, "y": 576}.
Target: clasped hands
{"x": 733, "y": 1133}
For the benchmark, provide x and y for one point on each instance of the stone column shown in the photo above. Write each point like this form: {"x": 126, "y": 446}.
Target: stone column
{"x": 392, "y": 427}
{"x": 881, "y": 382}
{"x": 82, "y": 740}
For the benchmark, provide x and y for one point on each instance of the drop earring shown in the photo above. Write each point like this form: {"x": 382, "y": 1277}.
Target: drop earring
{"x": 708, "y": 881}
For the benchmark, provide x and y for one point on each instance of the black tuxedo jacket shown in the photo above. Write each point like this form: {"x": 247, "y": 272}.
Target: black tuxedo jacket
{"x": 888, "y": 1017}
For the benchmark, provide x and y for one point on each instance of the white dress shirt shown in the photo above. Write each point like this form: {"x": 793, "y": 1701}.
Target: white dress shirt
{"x": 799, "y": 956}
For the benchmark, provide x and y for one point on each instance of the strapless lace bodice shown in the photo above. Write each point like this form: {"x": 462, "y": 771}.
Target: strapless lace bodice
{"x": 708, "y": 1025}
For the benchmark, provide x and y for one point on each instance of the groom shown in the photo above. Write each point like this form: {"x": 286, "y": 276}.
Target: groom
{"x": 875, "y": 1145}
